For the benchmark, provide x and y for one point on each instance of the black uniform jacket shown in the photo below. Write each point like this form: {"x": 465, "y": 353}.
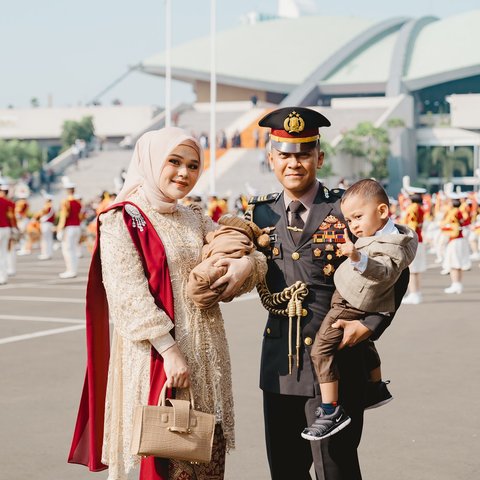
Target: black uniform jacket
{"x": 313, "y": 261}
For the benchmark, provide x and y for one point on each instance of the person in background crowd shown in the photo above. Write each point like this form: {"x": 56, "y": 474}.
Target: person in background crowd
{"x": 46, "y": 218}
{"x": 14, "y": 232}
{"x": 413, "y": 218}
{"x": 457, "y": 254}
{"x": 214, "y": 208}
{"x": 69, "y": 230}
{"x": 7, "y": 224}
{"x": 22, "y": 215}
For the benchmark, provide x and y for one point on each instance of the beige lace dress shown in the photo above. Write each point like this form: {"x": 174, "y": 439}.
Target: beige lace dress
{"x": 137, "y": 321}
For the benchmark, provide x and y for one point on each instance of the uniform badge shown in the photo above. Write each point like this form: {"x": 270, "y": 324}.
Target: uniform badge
{"x": 275, "y": 251}
{"x": 331, "y": 219}
{"x": 339, "y": 225}
{"x": 328, "y": 269}
{"x": 329, "y": 247}
{"x": 294, "y": 123}
{"x": 317, "y": 252}
{"x": 324, "y": 226}
{"x": 137, "y": 220}
{"x": 329, "y": 256}
{"x": 339, "y": 253}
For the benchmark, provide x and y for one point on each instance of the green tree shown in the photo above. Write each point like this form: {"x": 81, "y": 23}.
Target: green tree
{"x": 17, "y": 157}
{"x": 327, "y": 169}
{"x": 371, "y": 143}
{"x": 73, "y": 130}
{"x": 34, "y": 102}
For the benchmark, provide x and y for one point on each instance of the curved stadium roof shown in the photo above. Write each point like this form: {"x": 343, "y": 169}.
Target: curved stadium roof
{"x": 339, "y": 55}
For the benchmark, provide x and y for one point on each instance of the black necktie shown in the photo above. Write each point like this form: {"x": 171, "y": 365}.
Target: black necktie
{"x": 296, "y": 222}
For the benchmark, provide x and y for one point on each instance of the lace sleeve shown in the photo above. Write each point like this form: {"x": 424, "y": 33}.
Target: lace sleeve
{"x": 131, "y": 306}
{"x": 208, "y": 225}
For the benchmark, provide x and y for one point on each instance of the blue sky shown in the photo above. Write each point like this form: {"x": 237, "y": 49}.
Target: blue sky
{"x": 73, "y": 50}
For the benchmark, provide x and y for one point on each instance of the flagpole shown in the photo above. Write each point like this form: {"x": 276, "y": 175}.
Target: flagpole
{"x": 168, "y": 66}
{"x": 213, "y": 97}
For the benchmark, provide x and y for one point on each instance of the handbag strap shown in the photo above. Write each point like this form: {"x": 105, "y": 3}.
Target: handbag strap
{"x": 181, "y": 416}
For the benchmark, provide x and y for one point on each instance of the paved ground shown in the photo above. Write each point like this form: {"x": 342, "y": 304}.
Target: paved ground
{"x": 431, "y": 431}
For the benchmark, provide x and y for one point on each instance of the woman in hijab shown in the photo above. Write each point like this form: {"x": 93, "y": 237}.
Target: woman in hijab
{"x": 146, "y": 248}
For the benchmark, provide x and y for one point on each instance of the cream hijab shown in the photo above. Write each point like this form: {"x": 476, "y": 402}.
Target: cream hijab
{"x": 149, "y": 157}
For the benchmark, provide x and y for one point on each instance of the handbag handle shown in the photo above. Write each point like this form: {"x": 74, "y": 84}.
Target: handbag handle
{"x": 181, "y": 409}
{"x": 163, "y": 393}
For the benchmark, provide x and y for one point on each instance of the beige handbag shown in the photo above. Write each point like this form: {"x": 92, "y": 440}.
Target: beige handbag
{"x": 178, "y": 431}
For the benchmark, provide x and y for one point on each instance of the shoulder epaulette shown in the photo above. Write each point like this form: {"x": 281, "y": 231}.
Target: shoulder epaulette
{"x": 263, "y": 198}
{"x": 335, "y": 192}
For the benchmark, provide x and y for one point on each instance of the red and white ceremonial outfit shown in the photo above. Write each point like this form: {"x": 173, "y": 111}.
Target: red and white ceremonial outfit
{"x": 457, "y": 253}
{"x": 47, "y": 220}
{"x": 414, "y": 219}
{"x": 6, "y": 224}
{"x": 69, "y": 225}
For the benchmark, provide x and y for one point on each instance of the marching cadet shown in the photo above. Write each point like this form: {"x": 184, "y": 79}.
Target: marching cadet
{"x": 306, "y": 226}
{"x": 413, "y": 218}
{"x": 7, "y": 224}
{"x": 457, "y": 253}
{"x": 69, "y": 230}
{"x": 22, "y": 214}
{"x": 46, "y": 217}
{"x": 14, "y": 233}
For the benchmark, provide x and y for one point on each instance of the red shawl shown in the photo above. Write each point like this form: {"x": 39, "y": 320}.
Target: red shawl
{"x": 87, "y": 440}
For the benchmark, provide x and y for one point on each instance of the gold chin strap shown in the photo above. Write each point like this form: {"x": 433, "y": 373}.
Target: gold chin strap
{"x": 293, "y": 296}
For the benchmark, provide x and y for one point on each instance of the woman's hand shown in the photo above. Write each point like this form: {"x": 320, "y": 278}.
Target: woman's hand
{"x": 176, "y": 368}
{"x": 238, "y": 270}
{"x": 354, "y": 332}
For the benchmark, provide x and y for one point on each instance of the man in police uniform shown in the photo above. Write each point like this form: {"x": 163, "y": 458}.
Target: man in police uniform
{"x": 306, "y": 225}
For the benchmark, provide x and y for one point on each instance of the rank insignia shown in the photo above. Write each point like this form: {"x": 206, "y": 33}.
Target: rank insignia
{"x": 275, "y": 251}
{"x": 328, "y": 269}
{"x": 317, "y": 252}
{"x": 331, "y": 219}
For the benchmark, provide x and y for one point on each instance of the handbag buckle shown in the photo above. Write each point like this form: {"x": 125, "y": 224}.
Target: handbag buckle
{"x": 180, "y": 429}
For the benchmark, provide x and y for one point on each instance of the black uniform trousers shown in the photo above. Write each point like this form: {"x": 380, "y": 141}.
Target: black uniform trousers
{"x": 290, "y": 456}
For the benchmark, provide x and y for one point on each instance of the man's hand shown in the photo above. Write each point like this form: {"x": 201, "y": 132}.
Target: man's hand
{"x": 354, "y": 332}
{"x": 348, "y": 248}
{"x": 238, "y": 270}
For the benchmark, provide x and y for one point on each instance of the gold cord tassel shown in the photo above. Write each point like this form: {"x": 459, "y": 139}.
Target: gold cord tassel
{"x": 293, "y": 296}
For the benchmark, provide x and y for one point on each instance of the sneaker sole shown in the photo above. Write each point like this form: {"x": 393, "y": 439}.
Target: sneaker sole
{"x": 379, "y": 404}
{"x": 329, "y": 434}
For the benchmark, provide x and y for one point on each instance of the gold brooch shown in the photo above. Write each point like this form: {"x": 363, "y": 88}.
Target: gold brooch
{"x": 294, "y": 123}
